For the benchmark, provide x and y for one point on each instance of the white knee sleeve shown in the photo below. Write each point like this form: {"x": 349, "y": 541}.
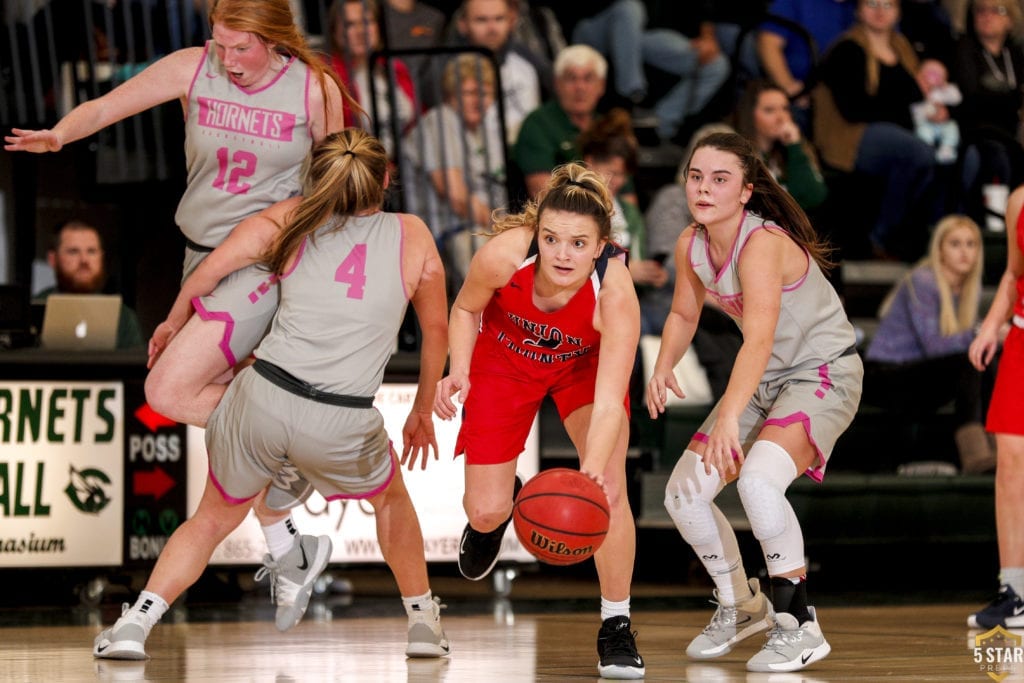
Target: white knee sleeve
{"x": 688, "y": 497}
{"x": 766, "y": 474}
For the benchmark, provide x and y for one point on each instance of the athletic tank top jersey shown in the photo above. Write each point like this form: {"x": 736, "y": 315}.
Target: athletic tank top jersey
{"x": 341, "y": 306}
{"x": 243, "y": 148}
{"x": 524, "y": 339}
{"x": 812, "y": 326}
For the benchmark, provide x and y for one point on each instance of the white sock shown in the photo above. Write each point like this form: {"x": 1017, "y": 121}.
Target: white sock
{"x": 1014, "y": 578}
{"x": 610, "y": 608}
{"x": 150, "y": 604}
{"x": 417, "y": 603}
{"x": 280, "y": 537}
{"x": 732, "y": 586}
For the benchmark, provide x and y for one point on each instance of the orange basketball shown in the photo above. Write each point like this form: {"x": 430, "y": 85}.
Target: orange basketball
{"x": 561, "y": 516}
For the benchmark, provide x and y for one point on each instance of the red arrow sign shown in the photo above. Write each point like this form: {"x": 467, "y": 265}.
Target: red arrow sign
{"x": 152, "y": 419}
{"x": 155, "y": 483}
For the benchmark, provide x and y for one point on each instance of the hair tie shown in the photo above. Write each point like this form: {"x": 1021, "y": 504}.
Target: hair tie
{"x": 348, "y": 152}
{"x": 576, "y": 183}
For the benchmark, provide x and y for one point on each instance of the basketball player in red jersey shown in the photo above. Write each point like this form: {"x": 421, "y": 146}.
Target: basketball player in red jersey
{"x": 564, "y": 322}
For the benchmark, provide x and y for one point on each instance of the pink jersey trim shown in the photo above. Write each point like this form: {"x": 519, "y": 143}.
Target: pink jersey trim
{"x": 195, "y": 77}
{"x": 380, "y": 489}
{"x": 732, "y": 250}
{"x": 280, "y": 74}
{"x": 298, "y": 257}
{"x": 817, "y": 473}
{"x": 229, "y": 328}
{"x": 224, "y": 494}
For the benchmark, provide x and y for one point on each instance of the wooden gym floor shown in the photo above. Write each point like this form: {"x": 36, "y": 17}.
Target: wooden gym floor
{"x": 544, "y": 630}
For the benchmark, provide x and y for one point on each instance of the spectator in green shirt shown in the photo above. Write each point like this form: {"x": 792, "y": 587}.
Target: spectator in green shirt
{"x": 548, "y": 136}
{"x": 76, "y": 256}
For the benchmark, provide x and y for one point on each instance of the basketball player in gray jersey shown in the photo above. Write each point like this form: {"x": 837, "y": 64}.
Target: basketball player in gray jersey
{"x": 793, "y": 390}
{"x": 255, "y": 99}
{"x": 348, "y": 271}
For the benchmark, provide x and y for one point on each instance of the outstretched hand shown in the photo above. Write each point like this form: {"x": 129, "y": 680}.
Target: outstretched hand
{"x": 37, "y": 141}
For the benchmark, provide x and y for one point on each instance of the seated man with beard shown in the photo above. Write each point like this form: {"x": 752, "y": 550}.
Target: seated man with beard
{"x": 76, "y": 256}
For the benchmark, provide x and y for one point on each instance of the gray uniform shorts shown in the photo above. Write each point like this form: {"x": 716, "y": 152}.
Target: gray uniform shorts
{"x": 823, "y": 399}
{"x": 261, "y": 433}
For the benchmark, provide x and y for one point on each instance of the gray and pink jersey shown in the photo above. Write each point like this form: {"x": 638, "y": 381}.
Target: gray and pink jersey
{"x": 244, "y": 149}
{"x": 812, "y": 327}
{"x": 341, "y": 306}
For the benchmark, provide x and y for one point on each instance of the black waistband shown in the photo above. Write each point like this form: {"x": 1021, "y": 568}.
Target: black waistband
{"x": 849, "y": 352}
{"x": 296, "y": 386}
{"x": 197, "y": 247}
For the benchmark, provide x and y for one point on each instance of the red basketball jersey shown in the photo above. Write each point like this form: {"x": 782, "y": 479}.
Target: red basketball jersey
{"x": 519, "y": 338}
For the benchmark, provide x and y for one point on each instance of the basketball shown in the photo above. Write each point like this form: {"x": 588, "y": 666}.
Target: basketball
{"x": 561, "y": 516}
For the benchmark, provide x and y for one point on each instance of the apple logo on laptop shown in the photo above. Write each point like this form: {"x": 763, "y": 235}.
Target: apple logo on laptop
{"x": 81, "y": 329}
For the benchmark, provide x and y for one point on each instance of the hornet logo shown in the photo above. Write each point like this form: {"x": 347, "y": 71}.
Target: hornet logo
{"x": 85, "y": 489}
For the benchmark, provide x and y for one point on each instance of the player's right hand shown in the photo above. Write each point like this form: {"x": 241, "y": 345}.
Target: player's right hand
{"x": 444, "y": 407}
{"x": 162, "y": 336}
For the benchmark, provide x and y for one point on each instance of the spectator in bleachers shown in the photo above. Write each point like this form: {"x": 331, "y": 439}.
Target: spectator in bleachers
{"x": 537, "y": 29}
{"x": 635, "y": 34}
{"x": 610, "y": 149}
{"x": 548, "y": 136}
{"x": 917, "y": 359}
{"x": 763, "y": 116}
{"x": 939, "y": 94}
{"x": 489, "y": 24}
{"x": 354, "y": 33}
{"x": 788, "y": 58}
{"x": 458, "y": 156}
{"x": 413, "y": 25}
{"x": 862, "y": 122}
{"x": 989, "y": 68}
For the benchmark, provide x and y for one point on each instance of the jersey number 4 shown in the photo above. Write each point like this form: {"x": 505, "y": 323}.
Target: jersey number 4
{"x": 352, "y": 271}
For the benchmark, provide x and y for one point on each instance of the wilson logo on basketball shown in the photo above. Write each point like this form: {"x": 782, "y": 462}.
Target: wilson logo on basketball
{"x": 552, "y": 547}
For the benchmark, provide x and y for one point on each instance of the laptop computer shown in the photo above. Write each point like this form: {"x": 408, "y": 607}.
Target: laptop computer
{"x": 81, "y": 322}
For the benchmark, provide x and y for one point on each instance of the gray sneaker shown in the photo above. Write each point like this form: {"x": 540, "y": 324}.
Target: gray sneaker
{"x": 791, "y": 646}
{"x": 126, "y": 639}
{"x": 292, "y": 578}
{"x": 426, "y": 637}
{"x": 730, "y": 625}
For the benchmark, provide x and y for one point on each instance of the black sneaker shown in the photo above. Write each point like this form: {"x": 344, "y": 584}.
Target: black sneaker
{"x": 1007, "y": 610}
{"x": 478, "y": 552}
{"x": 616, "y": 648}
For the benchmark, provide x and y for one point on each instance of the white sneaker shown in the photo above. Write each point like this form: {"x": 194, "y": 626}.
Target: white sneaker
{"x": 126, "y": 639}
{"x": 730, "y": 625}
{"x": 292, "y": 578}
{"x": 426, "y": 637}
{"x": 791, "y": 646}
